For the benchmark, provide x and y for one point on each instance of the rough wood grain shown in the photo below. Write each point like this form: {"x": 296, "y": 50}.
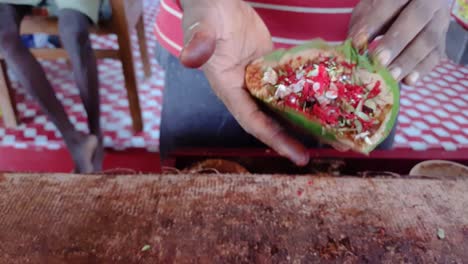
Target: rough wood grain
{"x": 231, "y": 219}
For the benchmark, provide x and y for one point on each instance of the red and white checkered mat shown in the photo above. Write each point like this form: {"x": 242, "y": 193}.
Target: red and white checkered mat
{"x": 36, "y": 131}
{"x": 434, "y": 114}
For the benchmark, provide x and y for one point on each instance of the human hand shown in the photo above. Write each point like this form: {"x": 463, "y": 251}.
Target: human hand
{"x": 414, "y": 33}
{"x": 223, "y": 37}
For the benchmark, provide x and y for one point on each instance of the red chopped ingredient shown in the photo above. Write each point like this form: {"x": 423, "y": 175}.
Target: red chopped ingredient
{"x": 318, "y": 112}
{"x": 353, "y": 93}
{"x": 321, "y": 70}
{"x": 349, "y": 66}
{"x": 293, "y": 101}
{"x": 375, "y": 90}
{"x": 309, "y": 68}
{"x": 333, "y": 115}
{"x": 349, "y": 116}
{"x": 315, "y": 97}
{"x": 366, "y": 125}
{"x": 326, "y": 114}
{"x": 289, "y": 70}
{"x": 282, "y": 79}
{"x": 310, "y": 182}
{"x": 307, "y": 92}
{"x": 341, "y": 89}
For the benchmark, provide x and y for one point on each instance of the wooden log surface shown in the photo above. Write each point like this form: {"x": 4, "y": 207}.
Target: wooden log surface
{"x": 231, "y": 219}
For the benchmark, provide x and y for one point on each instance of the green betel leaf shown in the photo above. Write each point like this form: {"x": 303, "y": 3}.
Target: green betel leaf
{"x": 312, "y": 126}
{"x": 347, "y": 50}
{"x": 313, "y": 44}
{"x": 300, "y": 120}
{"x": 275, "y": 56}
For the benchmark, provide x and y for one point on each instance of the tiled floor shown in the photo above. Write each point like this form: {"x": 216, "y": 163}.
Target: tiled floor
{"x": 434, "y": 114}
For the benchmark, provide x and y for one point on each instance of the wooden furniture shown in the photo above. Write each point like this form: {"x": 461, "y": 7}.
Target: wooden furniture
{"x": 231, "y": 218}
{"x": 126, "y": 16}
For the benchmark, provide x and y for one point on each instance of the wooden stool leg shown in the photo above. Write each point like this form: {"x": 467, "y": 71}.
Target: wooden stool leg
{"x": 128, "y": 64}
{"x": 140, "y": 27}
{"x": 7, "y": 98}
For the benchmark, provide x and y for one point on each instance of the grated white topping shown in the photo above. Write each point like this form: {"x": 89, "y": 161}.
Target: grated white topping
{"x": 282, "y": 91}
{"x": 300, "y": 75}
{"x": 322, "y": 100}
{"x": 331, "y": 94}
{"x": 270, "y": 76}
{"x": 316, "y": 86}
{"x": 368, "y": 141}
{"x": 314, "y": 72}
{"x": 297, "y": 87}
{"x": 362, "y": 135}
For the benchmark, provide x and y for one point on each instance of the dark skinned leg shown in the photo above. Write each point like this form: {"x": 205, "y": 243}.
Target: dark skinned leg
{"x": 74, "y": 34}
{"x": 32, "y": 77}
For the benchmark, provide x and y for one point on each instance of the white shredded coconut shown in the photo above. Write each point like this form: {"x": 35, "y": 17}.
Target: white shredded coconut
{"x": 362, "y": 135}
{"x": 297, "y": 87}
{"x": 300, "y": 75}
{"x": 332, "y": 95}
{"x": 313, "y": 72}
{"x": 316, "y": 86}
{"x": 282, "y": 91}
{"x": 270, "y": 76}
{"x": 368, "y": 141}
{"x": 322, "y": 100}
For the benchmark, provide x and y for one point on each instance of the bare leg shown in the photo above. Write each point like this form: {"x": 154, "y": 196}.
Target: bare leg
{"x": 32, "y": 77}
{"x": 74, "y": 33}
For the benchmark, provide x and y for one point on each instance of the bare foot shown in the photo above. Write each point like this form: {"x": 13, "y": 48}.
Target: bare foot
{"x": 98, "y": 156}
{"x": 83, "y": 153}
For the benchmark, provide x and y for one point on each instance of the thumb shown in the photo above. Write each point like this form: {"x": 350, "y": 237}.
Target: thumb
{"x": 199, "y": 39}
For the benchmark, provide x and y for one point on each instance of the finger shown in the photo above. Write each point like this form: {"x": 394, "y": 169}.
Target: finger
{"x": 264, "y": 128}
{"x": 252, "y": 119}
{"x": 424, "y": 67}
{"x": 371, "y": 17}
{"x": 406, "y": 27}
{"x": 200, "y": 35}
{"x": 424, "y": 43}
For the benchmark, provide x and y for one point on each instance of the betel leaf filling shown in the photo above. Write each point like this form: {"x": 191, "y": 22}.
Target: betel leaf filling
{"x": 331, "y": 90}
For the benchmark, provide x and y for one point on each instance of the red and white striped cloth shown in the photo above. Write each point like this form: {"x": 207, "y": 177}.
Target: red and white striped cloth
{"x": 290, "y": 22}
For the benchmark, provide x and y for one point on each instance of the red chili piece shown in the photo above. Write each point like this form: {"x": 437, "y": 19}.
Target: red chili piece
{"x": 375, "y": 90}
{"x": 293, "y": 101}
{"x": 329, "y": 112}
{"x": 307, "y": 92}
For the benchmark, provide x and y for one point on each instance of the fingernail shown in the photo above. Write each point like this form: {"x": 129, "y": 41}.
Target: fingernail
{"x": 188, "y": 40}
{"x": 413, "y": 77}
{"x": 395, "y": 72}
{"x": 360, "y": 40}
{"x": 196, "y": 24}
{"x": 303, "y": 159}
{"x": 384, "y": 57}
{"x": 192, "y": 34}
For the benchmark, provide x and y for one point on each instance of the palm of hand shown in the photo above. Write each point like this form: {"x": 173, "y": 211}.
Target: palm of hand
{"x": 224, "y": 36}
{"x": 242, "y": 38}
